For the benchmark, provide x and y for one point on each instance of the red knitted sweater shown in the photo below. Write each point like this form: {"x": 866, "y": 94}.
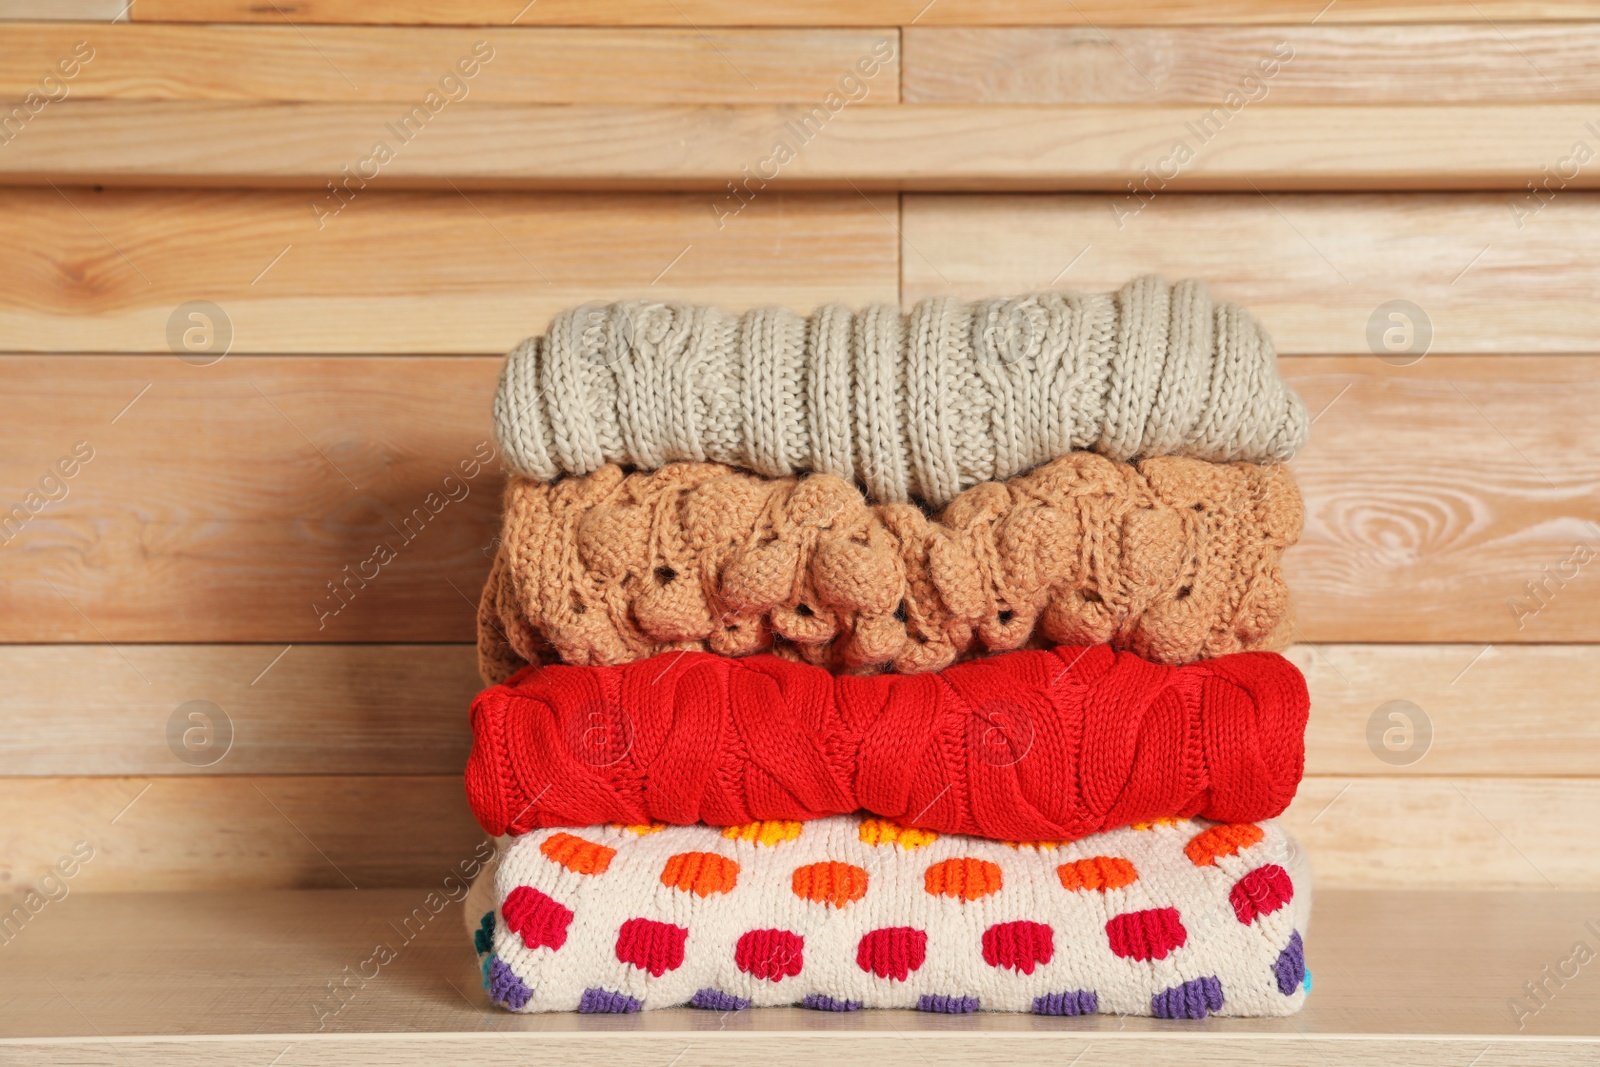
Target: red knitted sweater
{"x": 1032, "y": 745}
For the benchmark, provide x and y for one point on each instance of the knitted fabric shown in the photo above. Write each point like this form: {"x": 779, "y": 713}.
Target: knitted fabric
{"x": 1175, "y": 559}
{"x": 1036, "y": 744}
{"x": 917, "y": 406}
{"x": 1179, "y": 919}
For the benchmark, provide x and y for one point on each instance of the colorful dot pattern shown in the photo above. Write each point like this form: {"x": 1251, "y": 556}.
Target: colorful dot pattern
{"x": 1179, "y": 919}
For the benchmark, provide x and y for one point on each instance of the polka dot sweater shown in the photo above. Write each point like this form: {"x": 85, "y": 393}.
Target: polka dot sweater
{"x": 1175, "y": 919}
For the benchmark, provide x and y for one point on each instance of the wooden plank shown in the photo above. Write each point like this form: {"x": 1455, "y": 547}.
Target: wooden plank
{"x": 1437, "y": 63}
{"x": 818, "y": 144}
{"x": 1454, "y": 500}
{"x": 74, "y": 10}
{"x": 1465, "y": 833}
{"x": 221, "y": 504}
{"x": 238, "y": 832}
{"x": 245, "y": 501}
{"x": 236, "y": 709}
{"x": 1315, "y": 268}
{"x": 1517, "y": 710}
{"x": 845, "y": 13}
{"x": 523, "y": 65}
{"x": 1400, "y": 978}
{"x": 246, "y": 832}
{"x": 1443, "y": 710}
{"x": 108, "y": 270}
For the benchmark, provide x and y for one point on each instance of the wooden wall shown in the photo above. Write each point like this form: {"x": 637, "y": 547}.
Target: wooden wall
{"x": 180, "y": 691}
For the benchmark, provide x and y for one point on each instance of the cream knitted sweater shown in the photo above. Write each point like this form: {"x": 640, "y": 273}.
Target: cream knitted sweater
{"x": 910, "y": 407}
{"x": 1177, "y": 919}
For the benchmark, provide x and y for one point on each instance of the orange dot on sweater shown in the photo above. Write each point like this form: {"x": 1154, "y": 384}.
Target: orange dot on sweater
{"x": 640, "y": 829}
{"x": 576, "y": 854}
{"x": 1223, "y": 839}
{"x": 965, "y": 878}
{"x": 701, "y": 873}
{"x": 768, "y": 832}
{"x": 1166, "y": 820}
{"x": 1097, "y": 872}
{"x": 889, "y": 832}
{"x": 831, "y": 883}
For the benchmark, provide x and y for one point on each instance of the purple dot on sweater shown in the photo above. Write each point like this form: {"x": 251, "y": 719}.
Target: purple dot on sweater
{"x": 717, "y": 1000}
{"x": 947, "y": 1005}
{"x": 505, "y": 987}
{"x": 823, "y": 1002}
{"x": 1194, "y": 999}
{"x": 1078, "y": 1002}
{"x": 1291, "y": 965}
{"x": 605, "y": 1002}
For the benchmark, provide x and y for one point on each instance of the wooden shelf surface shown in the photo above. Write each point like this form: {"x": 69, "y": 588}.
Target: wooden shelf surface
{"x": 1399, "y": 978}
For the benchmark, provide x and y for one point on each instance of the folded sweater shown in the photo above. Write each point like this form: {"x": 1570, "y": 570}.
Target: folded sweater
{"x": 1180, "y": 919}
{"x": 1174, "y": 559}
{"x": 1024, "y": 745}
{"x": 917, "y": 406}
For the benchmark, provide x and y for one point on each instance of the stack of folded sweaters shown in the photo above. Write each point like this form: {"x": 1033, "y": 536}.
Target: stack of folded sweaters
{"x": 885, "y": 660}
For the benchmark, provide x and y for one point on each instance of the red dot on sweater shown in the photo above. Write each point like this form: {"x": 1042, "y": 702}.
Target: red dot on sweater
{"x": 651, "y": 946}
{"x": 539, "y": 919}
{"x": 1019, "y": 945}
{"x": 1146, "y": 935}
{"x": 892, "y": 952}
{"x": 771, "y": 954}
{"x": 1261, "y": 892}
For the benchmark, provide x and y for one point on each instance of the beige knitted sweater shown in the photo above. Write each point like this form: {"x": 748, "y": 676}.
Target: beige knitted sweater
{"x": 910, "y": 407}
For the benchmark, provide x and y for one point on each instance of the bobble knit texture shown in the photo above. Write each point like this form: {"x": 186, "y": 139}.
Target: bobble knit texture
{"x": 911, "y": 407}
{"x": 939, "y": 923}
{"x": 1175, "y": 559}
{"x": 1026, "y": 745}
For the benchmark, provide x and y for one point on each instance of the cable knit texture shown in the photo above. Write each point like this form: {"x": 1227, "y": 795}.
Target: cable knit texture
{"x": 911, "y": 407}
{"x": 1180, "y": 919}
{"x": 1026, "y": 745}
{"x": 1175, "y": 559}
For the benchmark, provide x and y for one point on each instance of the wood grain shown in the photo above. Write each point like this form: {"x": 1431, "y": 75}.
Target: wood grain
{"x": 1482, "y": 833}
{"x": 77, "y": 10}
{"x": 1315, "y": 268}
{"x": 1437, "y": 63}
{"x": 408, "y": 272}
{"x": 261, "y": 709}
{"x": 1507, "y": 711}
{"x": 246, "y": 832}
{"x": 227, "y": 501}
{"x": 222, "y": 502}
{"x": 384, "y": 63}
{"x": 238, "y": 832}
{"x": 254, "y": 966}
{"x": 926, "y": 147}
{"x": 845, "y": 13}
{"x": 1454, "y": 500}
